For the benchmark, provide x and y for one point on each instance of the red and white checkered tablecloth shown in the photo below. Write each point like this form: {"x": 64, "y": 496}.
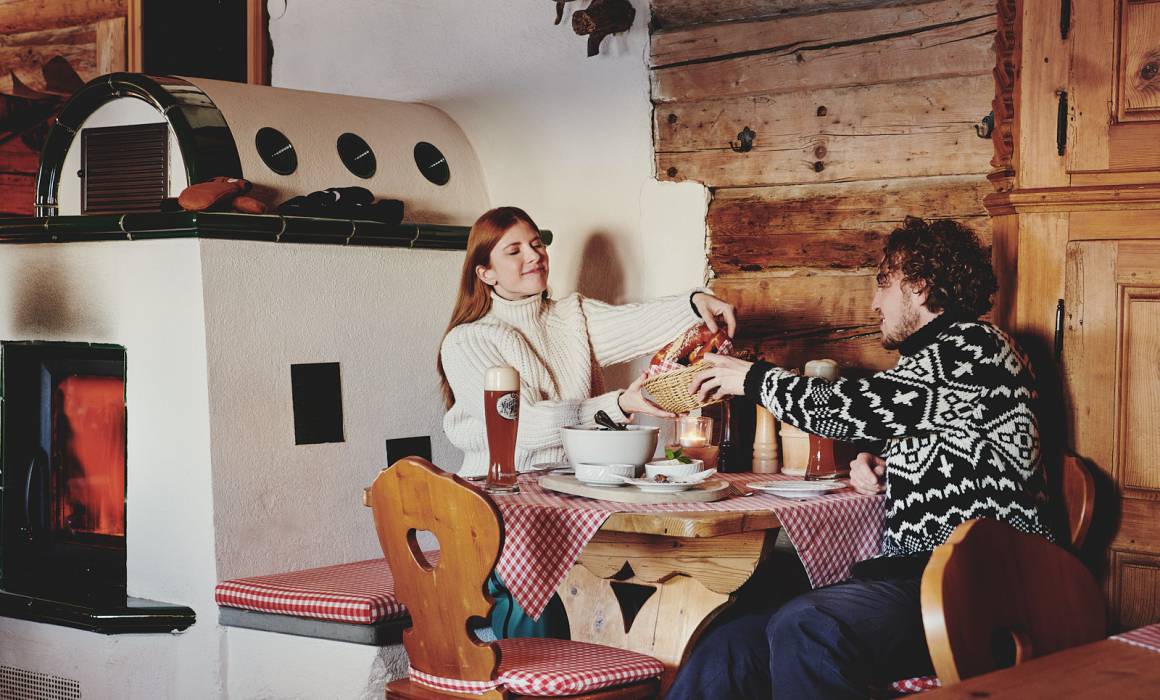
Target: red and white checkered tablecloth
{"x": 545, "y": 532}
{"x": 1145, "y": 637}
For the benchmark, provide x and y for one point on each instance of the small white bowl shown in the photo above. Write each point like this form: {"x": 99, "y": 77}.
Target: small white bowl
{"x": 604, "y": 474}
{"x": 672, "y": 468}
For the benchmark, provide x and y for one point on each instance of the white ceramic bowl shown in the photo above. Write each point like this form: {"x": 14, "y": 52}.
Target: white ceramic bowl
{"x": 672, "y": 468}
{"x": 590, "y": 444}
{"x": 604, "y": 474}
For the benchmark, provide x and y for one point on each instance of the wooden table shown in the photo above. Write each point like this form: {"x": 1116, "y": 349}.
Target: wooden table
{"x": 694, "y": 561}
{"x": 1104, "y": 669}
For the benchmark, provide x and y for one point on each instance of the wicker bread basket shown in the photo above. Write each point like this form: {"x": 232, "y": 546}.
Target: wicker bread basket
{"x": 670, "y": 390}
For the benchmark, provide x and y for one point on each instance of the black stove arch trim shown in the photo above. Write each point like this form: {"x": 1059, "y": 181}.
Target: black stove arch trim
{"x": 203, "y": 136}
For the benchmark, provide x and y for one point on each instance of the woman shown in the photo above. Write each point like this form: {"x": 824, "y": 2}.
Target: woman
{"x": 504, "y": 316}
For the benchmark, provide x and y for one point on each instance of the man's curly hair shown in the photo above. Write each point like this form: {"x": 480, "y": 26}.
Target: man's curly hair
{"x": 946, "y": 258}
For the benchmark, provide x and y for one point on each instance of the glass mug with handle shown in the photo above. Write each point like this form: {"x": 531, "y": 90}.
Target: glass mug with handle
{"x": 501, "y": 409}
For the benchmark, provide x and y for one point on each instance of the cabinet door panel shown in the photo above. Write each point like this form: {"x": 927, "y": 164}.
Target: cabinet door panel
{"x": 1139, "y": 77}
{"x": 1111, "y": 354}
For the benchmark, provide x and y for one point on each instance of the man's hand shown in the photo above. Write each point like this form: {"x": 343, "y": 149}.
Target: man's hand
{"x": 633, "y": 401}
{"x": 725, "y": 377}
{"x": 711, "y": 308}
{"x": 867, "y": 473}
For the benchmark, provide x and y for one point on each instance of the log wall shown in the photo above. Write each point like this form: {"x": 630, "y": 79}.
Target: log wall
{"x": 89, "y": 34}
{"x": 864, "y": 112}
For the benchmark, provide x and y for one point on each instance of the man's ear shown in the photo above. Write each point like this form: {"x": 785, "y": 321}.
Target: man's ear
{"x": 921, "y": 292}
{"x": 485, "y": 274}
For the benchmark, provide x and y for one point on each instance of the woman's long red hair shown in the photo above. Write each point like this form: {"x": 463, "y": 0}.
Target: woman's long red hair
{"x": 474, "y": 298}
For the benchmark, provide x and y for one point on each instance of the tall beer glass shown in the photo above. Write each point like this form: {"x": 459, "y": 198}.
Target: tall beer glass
{"x": 501, "y": 409}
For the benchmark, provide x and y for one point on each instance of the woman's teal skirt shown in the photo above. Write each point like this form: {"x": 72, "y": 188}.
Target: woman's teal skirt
{"x": 509, "y": 620}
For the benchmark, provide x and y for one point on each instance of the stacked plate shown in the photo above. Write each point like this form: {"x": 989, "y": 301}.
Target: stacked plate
{"x": 797, "y": 489}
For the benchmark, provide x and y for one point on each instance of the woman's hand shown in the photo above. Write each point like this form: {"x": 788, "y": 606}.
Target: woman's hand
{"x": 867, "y": 472}
{"x": 633, "y": 401}
{"x": 710, "y": 308}
{"x": 725, "y": 377}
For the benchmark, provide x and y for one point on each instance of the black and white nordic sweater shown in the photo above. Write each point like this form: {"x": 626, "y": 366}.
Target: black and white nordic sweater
{"x": 957, "y": 413}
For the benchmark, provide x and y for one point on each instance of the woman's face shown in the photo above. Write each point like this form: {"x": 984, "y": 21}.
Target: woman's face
{"x": 518, "y": 266}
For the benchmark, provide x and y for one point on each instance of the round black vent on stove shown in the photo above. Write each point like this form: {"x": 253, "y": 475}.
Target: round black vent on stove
{"x": 276, "y": 150}
{"x": 356, "y": 155}
{"x": 432, "y": 163}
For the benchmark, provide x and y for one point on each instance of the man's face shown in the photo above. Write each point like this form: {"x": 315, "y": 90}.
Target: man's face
{"x": 898, "y": 305}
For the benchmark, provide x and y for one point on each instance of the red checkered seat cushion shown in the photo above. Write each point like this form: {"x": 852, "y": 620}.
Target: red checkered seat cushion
{"x": 553, "y": 667}
{"x": 910, "y": 686}
{"x": 361, "y": 592}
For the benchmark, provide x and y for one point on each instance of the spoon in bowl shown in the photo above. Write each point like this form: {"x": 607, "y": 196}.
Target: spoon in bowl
{"x": 604, "y": 420}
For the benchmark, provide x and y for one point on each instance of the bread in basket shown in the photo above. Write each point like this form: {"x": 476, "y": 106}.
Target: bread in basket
{"x": 671, "y": 370}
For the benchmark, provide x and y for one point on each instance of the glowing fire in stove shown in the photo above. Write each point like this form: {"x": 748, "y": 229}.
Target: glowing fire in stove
{"x": 91, "y": 427}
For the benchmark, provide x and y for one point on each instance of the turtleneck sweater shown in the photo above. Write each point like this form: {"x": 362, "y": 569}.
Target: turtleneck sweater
{"x": 559, "y": 347}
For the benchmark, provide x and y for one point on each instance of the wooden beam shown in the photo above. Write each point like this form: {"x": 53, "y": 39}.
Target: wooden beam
{"x": 18, "y": 16}
{"x": 925, "y": 127}
{"x": 111, "y": 52}
{"x": 257, "y": 43}
{"x": 676, "y": 13}
{"x": 792, "y": 318}
{"x": 961, "y": 47}
{"x": 714, "y": 41}
{"x": 831, "y": 226}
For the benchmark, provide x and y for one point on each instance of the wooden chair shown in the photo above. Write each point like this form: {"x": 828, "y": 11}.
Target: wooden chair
{"x": 993, "y": 596}
{"x": 1078, "y": 491}
{"x": 447, "y": 599}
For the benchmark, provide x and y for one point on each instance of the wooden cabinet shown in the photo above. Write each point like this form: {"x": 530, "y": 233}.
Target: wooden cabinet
{"x": 1077, "y": 220}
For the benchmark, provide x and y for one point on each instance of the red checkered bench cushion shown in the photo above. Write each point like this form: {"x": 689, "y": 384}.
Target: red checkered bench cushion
{"x": 553, "y": 667}
{"x": 361, "y": 592}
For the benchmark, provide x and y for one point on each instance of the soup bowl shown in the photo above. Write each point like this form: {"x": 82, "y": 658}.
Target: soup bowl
{"x": 592, "y": 444}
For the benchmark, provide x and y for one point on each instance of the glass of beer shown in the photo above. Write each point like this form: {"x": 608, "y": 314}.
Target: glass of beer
{"x": 501, "y": 409}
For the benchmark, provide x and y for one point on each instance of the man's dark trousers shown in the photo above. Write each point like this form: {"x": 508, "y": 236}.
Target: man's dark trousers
{"x": 834, "y": 642}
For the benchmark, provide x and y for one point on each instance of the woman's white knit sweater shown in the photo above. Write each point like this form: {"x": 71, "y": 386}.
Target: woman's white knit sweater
{"x": 559, "y": 348}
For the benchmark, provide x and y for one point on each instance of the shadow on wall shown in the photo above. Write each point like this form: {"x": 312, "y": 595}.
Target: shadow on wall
{"x": 601, "y": 276}
{"x": 43, "y": 304}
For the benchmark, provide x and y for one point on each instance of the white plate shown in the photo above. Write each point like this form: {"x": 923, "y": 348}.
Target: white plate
{"x": 797, "y": 489}
{"x": 594, "y": 482}
{"x": 650, "y": 486}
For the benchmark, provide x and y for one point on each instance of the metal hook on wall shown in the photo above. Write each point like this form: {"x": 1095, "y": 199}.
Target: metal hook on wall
{"x": 745, "y": 137}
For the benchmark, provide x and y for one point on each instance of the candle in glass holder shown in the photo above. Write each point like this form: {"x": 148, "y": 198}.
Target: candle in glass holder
{"x": 695, "y": 438}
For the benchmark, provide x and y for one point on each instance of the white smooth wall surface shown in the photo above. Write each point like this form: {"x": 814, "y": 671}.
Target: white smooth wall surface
{"x": 281, "y": 506}
{"x": 145, "y": 296}
{"x": 566, "y": 137}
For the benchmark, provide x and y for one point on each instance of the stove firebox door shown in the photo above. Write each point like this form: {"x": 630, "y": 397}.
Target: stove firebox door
{"x": 64, "y": 432}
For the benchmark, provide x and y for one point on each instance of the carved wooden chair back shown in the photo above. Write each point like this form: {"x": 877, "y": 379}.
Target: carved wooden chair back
{"x": 993, "y": 596}
{"x": 443, "y": 598}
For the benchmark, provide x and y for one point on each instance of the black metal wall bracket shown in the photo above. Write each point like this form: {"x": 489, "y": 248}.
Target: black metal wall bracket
{"x": 745, "y": 137}
{"x": 1061, "y": 124}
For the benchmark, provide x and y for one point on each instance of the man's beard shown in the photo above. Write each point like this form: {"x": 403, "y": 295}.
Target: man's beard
{"x": 908, "y": 323}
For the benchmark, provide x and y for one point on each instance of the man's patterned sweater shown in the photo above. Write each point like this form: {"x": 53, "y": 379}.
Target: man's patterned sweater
{"x": 957, "y": 413}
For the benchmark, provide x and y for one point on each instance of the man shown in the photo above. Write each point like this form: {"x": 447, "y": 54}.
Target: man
{"x": 962, "y": 442}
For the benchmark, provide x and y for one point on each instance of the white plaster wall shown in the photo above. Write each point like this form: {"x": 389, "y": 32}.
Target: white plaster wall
{"x": 380, "y": 313}
{"x": 146, "y": 296}
{"x": 116, "y": 112}
{"x": 566, "y": 137}
{"x": 282, "y": 666}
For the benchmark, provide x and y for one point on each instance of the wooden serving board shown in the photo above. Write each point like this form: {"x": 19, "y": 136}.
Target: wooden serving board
{"x": 708, "y": 490}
